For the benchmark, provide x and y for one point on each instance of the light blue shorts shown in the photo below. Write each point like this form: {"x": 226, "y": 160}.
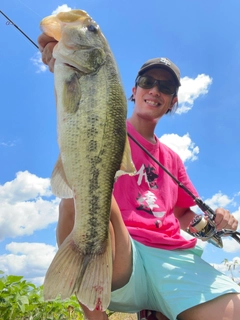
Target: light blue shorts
{"x": 169, "y": 281}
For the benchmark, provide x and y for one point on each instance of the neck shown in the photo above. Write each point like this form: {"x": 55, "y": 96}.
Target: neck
{"x": 144, "y": 127}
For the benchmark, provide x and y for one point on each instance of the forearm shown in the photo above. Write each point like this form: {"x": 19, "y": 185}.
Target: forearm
{"x": 185, "y": 216}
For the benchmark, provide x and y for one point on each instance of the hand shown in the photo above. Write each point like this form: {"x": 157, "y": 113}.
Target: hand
{"x": 46, "y": 45}
{"x": 225, "y": 220}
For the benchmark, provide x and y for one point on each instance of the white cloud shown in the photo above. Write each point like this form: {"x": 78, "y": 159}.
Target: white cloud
{"x": 183, "y": 146}
{"x": 30, "y": 260}
{"x": 230, "y": 245}
{"x": 8, "y": 143}
{"x": 24, "y": 187}
{"x": 190, "y": 90}
{"x": 37, "y": 61}
{"x": 219, "y": 200}
{"x": 62, "y": 8}
{"x": 237, "y": 216}
{"x": 23, "y": 208}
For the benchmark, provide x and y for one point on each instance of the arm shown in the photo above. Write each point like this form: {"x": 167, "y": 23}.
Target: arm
{"x": 184, "y": 215}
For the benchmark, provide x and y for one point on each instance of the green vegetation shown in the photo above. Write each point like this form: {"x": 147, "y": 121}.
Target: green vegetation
{"x": 22, "y": 300}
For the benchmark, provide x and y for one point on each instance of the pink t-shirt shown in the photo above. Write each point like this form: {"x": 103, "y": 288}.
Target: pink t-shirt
{"x": 147, "y": 200}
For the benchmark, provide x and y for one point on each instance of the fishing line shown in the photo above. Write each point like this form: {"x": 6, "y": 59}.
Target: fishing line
{"x": 29, "y": 8}
{"x": 19, "y": 29}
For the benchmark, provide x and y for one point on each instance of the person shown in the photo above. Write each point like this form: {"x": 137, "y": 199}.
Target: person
{"x": 155, "y": 266}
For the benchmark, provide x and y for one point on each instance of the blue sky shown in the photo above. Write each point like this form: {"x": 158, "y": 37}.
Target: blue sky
{"x": 201, "y": 37}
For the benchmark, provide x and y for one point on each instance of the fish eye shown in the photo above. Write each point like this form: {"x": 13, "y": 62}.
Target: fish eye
{"x": 92, "y": 28}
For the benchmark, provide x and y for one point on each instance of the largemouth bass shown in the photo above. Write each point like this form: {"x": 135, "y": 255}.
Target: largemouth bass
{"x": 91, "y": 113}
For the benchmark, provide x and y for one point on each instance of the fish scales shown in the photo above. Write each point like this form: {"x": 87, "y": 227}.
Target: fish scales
{"x": 91, "y": 113}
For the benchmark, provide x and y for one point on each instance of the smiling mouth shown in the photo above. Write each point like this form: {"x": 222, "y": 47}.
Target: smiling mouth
{"x": 152, "y": 103}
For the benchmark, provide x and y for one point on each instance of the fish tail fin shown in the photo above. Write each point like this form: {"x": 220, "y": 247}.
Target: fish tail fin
{"x": 89, "y": 277}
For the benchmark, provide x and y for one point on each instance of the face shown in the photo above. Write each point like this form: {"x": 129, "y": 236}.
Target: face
{"x": 151, "y": 104}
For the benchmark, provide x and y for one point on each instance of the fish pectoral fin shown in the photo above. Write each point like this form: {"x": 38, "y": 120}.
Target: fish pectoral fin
{"x": 127, "y": 165}
{"x": 87, "y": 276}
{"x": 59, "y": 183}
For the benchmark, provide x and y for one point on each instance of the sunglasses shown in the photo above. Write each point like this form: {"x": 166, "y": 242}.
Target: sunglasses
{"x": 164, "y": 86}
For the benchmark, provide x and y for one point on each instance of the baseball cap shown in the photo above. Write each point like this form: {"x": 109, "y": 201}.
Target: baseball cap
{"x": 163, "y": 63}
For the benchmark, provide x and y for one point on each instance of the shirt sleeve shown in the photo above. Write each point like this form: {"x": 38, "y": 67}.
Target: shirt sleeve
{"x": 184, "y": 199}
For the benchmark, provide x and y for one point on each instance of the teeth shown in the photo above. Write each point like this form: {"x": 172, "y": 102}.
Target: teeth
{"x": 152, "y": 103}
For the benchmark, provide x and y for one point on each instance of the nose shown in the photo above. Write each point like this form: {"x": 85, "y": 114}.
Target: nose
{"x": 154, "y": 91}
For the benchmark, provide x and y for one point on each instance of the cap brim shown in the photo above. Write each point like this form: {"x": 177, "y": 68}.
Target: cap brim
{"x": 160, "y": 66}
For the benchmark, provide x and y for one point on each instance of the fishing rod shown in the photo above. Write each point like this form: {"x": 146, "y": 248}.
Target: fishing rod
{"x": 11, "y": 22}
{"x": 200, "y": 227}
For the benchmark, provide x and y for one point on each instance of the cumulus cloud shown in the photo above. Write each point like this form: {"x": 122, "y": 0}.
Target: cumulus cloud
{"x": 37, "y": 61}
{"x": 183, "y": 146}
{"x": 30, "y": 260}
{"x": 190, "y": 90}
{"x": 237, "y": 215}
{"x": 62, "y": 8}
{"x": 219, "y": 200}
{"x": 24, "y": 187}
{"x": 230, "y": 245}
{"x": 26, "y": 205}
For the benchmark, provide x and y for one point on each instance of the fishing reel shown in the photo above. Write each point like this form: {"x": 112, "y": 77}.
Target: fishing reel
{"x": 204, "y": 227}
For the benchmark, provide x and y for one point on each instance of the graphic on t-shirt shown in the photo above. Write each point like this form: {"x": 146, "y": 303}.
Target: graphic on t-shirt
{"x": 147, "y": 173}
{"x": 147, "y": 201}
{"x": 151, "y": 176}
{"x": 147, "y": 204}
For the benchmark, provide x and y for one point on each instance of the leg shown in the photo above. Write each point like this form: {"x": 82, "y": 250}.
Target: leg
{"x": 226, "y": 307}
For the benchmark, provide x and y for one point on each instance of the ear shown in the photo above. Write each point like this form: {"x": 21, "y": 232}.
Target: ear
{"x": 174, "y": 100}
{"x": 134, "y": 89}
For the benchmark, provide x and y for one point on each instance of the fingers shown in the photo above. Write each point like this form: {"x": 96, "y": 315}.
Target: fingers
{"x": 46, "y": 45}
{"x": 225, "y": 220}
{"x": 43, "y": 40}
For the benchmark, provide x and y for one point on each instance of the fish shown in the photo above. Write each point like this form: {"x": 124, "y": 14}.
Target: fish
{"x": 93, "y": 152}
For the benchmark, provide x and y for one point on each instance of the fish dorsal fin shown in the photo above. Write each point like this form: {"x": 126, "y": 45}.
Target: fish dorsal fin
{"x": 59, "y": 184}
{"x": 127, "y": 165}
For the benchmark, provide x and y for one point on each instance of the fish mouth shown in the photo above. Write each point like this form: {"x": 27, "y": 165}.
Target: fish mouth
{"x": 78, "y": 68}
{"x": 71, "y": 66}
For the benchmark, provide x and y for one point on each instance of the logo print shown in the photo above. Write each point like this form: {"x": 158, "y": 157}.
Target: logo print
{"x": 165, "y": 61}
